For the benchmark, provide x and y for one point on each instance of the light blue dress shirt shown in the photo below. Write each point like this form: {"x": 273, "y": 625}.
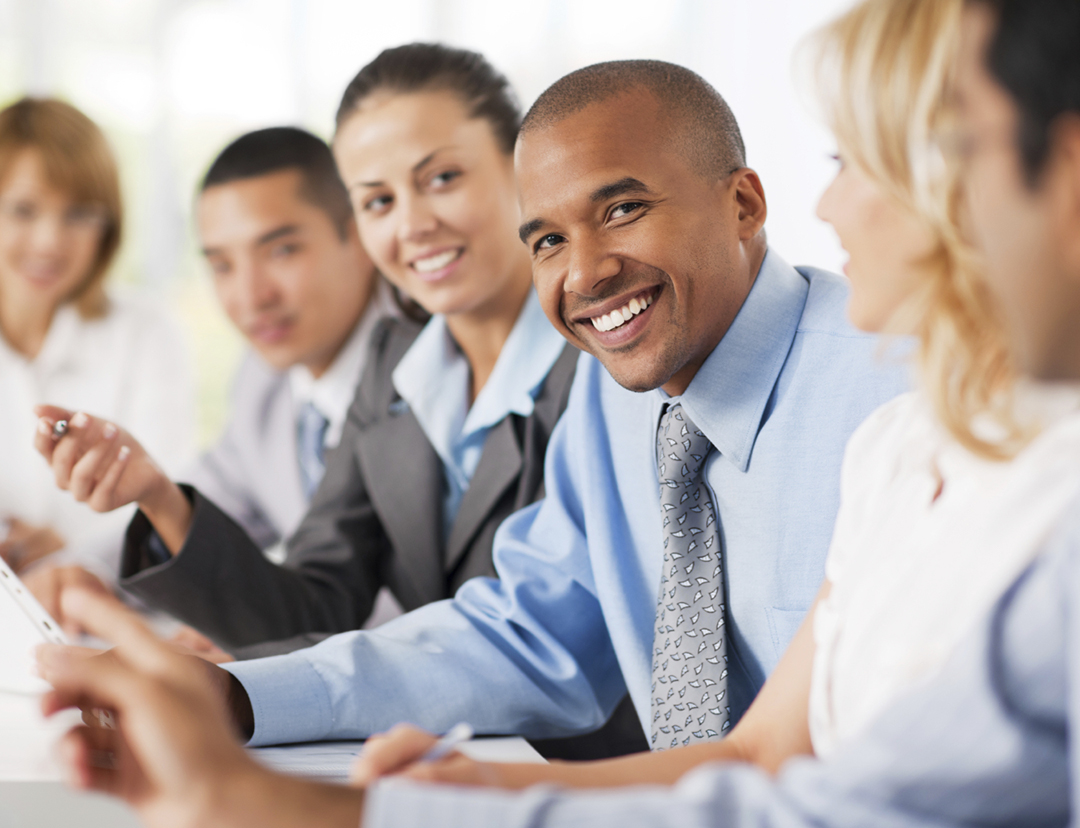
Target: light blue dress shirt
{"x": 434, "y": 378}
{"x": 550, "y": 647}
{"x": 988, "y": 741}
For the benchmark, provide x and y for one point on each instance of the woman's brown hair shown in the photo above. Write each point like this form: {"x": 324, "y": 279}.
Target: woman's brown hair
{"x": 77, "y": 161}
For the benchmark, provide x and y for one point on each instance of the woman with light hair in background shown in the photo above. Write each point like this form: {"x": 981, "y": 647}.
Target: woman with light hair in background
{"x": 64, "y": 338}
{"x": 946, "y": 492}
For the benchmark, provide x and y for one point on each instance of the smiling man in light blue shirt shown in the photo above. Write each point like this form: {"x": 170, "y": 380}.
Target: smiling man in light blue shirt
{"x": 649, "y": 253}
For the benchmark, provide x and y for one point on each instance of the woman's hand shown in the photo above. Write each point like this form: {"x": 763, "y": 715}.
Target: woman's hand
{"x": 48, "y": 584}
{"x": 103, "y": 466}
{"x": 399, "y": 752}
{"x": 171, "y": 752}
{"x": 192, "y": 642}
{"x": 25, "y": 543}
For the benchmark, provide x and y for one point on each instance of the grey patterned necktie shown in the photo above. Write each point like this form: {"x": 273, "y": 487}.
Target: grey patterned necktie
{"x": 689, "y": 672}
{"x": 310, "y": 445}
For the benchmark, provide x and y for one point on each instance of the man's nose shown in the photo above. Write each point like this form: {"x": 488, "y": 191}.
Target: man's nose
{"x": 258, "y": 290}
{"x": 591, "y": 265}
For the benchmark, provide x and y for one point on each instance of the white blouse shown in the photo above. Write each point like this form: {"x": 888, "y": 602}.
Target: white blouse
{"x": 130, "y": 366}
{"x": 910, "y": 574}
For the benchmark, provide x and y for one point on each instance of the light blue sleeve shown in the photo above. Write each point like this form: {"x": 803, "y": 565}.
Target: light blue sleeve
{"x": 985, "y": 742}
{"x": 527, "y": 654}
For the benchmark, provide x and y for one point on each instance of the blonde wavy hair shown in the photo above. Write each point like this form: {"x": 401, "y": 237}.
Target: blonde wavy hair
{"x": 78, "y": 161}
{"x": 882, "y": 72}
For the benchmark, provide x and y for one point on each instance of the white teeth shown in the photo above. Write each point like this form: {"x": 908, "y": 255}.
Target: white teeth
{"x": 617, "y": 318}
{"x": 436, "y": 262}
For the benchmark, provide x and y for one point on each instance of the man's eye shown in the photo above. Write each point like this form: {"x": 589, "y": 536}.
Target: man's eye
{"x": 280, "y": 251}
{"x": 547, "y": 242}
{"x": 626, "y": 209}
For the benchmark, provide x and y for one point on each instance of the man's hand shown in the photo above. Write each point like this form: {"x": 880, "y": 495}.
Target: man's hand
{"x": 105, "y": 467}
{"x": 25, "y": 543}
{"x": 172, "y": 755}
{"x": 47, "y": 584}
{"x": 398, "y": 752}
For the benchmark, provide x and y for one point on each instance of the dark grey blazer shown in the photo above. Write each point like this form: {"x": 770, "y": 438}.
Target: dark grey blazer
{"x": 375, "y": 520}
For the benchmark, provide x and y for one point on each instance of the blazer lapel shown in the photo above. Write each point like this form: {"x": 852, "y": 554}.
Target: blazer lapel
{"x": 499, "y": 467}
{"x": 404, "y": 479}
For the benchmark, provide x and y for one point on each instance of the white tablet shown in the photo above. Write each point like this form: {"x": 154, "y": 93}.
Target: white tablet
{"x": 24, "y": 624}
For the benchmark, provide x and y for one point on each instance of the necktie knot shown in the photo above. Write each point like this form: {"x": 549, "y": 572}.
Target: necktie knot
{"x": 681, "y": 448}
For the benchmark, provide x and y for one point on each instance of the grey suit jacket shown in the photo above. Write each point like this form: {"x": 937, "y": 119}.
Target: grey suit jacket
{"x": 375, "y": 520}
{"x": 251, "y": 473}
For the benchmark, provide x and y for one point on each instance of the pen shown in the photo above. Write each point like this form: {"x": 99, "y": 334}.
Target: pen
{"x": 459, "y": 733}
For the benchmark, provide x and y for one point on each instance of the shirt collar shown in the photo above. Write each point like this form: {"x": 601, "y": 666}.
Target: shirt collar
{"x": 727, "y": 397}
{"x": 433, "y": 377}
{"x": 333, "y": 392}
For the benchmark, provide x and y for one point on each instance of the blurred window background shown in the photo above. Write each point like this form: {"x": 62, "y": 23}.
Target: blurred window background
{"x": 172, "y": 81}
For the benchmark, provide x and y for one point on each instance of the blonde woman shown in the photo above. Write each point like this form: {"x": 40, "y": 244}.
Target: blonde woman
{"x": 946, "y": 493}
{"x": 63, "y": 338}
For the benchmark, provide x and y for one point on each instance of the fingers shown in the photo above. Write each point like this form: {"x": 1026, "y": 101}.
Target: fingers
{"x": 390, "y": 753}
{"x": 94, "y": 463}
{"x": 48, "y": 584}
{"x": 107, "y": 618}
{"x": 454, "y": 769}
{"x": 82, "y": 434}
{"x": 101, "y": 682}
{"x": 90, "y": 757}
{"x": 104, "y": 497}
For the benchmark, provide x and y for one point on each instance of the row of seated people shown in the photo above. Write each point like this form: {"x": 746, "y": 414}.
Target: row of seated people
{"x": 696, "y": 488}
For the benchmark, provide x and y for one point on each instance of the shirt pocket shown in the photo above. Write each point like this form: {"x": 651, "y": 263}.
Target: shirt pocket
{"x": 783, "y": 624}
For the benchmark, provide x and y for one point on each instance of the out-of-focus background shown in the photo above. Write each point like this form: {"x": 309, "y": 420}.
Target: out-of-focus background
{"x": 172, "y": 81}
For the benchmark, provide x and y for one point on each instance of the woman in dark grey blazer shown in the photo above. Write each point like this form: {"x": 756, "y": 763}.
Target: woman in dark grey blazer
{"x": 448, "y": 430}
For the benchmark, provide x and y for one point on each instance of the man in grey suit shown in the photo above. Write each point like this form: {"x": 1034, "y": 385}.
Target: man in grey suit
{"x": 276, "y": 228}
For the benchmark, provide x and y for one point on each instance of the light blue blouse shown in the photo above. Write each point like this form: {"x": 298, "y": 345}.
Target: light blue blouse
{"x": 434, "y": 379}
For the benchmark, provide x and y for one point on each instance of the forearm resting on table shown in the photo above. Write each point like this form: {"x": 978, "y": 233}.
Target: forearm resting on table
{"x": 655, "y": 768}
{"x": 170, "y": 513}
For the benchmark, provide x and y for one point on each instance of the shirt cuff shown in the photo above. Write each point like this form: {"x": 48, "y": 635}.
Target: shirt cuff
{"x": 289, "y": 699}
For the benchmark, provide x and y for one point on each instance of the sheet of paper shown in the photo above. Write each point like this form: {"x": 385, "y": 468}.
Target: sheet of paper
{"x": 330, "y": 761}
{"x": 28, "y": 740}
{"x": 23, "y": 625}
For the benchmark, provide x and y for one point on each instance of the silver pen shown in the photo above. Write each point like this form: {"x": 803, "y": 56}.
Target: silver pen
{"x": 455, "y": 736}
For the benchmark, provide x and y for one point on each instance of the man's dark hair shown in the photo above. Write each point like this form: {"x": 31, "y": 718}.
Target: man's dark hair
{"x": 708, "y": 130}
{"x": 276, "y": 149}
{"x": 1035, "y": 54}
{"x": 422, "y": 67}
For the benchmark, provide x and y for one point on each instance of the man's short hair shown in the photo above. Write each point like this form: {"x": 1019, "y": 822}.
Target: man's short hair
{"x": 276, "y": 149}
{"x": 1035, "y": 55}
{"x": 707, "y": 130}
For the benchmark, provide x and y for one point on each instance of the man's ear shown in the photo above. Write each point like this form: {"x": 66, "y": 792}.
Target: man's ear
{"x": 750, "y": 200}
{"x": 1063, "y": 176}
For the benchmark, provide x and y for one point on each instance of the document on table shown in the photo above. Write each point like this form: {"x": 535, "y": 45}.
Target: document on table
{"x": 330, "y": 761}
{"x": 27, "y": 739}
{"x": 24, "y": 624}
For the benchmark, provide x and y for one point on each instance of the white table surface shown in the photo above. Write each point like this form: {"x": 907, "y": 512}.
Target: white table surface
{"x": 32, "y": 795}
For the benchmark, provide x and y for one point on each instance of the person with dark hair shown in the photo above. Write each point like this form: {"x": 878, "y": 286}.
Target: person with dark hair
{"x": 986, "y": 741}
{"x": 276, "y": 228}
{"x": 648, "y": 253}
{"x": 448, "y": 431}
